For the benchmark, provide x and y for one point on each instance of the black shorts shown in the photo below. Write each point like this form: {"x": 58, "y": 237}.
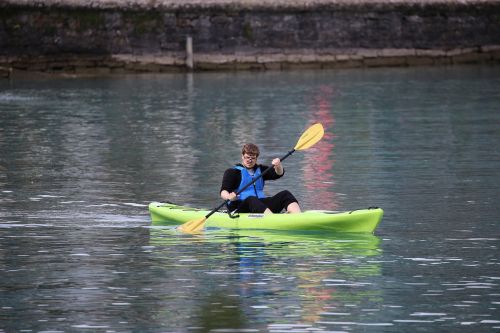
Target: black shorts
{"x": 276, "y": 203}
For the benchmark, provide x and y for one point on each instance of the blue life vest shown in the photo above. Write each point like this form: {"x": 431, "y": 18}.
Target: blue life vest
{"x": 255, "y": 190}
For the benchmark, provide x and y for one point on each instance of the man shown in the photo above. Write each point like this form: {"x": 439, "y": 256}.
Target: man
{"x": 253, "y": 199}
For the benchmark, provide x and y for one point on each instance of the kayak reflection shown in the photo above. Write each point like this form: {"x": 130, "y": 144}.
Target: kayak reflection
{"x": 262, "y": 274}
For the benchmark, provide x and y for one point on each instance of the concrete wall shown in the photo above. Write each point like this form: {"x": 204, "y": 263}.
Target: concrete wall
{"x": 67, "y": 36}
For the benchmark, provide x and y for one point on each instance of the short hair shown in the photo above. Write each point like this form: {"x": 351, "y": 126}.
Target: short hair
{"x": 250, "y": 149}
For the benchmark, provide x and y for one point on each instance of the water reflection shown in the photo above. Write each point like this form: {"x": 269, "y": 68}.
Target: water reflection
{"x": 294, "y": 276}
{"x": 318, "y": 167}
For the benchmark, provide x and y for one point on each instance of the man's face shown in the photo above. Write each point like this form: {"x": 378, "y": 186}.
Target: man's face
{"x": 248, "y": 160}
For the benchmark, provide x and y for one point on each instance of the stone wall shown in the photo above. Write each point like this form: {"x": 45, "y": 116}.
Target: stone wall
{"x": 68, "y": 36}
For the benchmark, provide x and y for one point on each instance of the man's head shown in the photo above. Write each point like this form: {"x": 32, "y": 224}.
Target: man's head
{"x": 249, "y": 155}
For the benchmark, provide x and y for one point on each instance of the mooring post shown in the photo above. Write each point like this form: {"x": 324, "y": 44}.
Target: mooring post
{"x": 5, "y": 72}
{"x": 189, "y": 52}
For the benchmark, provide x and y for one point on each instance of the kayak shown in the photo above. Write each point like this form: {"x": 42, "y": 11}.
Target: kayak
{"x": 360, "y": 220}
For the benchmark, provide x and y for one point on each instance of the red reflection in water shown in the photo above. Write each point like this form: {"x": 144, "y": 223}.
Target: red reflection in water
{"x": 319, "y": 160}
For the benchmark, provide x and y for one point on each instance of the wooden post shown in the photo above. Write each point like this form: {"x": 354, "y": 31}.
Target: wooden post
{"x": 5, "y": 72}
{"x": 189, "y": 52}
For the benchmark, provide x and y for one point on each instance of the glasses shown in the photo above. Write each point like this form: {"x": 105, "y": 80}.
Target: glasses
{"x": 250, "y": 157}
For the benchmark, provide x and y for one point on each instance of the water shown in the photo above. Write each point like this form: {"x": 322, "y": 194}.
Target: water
{"x": 80, "y": 159}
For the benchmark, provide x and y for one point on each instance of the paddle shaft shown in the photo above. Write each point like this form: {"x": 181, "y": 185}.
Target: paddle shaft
{"x": 249, "y": 184}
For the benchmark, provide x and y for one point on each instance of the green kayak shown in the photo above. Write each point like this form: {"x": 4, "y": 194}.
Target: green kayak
{"x": 361, "y": 220}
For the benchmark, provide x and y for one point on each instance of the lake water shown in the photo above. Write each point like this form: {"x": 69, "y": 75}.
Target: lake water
{"x": 80, "y": 159}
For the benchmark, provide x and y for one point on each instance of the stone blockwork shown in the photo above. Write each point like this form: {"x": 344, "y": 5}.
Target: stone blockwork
{"x": 108, "y": 37}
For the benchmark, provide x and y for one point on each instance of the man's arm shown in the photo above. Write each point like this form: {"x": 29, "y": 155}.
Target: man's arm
{"x": 230, "y": 182}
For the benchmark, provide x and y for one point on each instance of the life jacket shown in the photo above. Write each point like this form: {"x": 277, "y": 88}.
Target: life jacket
{"x": 254, "y": 190}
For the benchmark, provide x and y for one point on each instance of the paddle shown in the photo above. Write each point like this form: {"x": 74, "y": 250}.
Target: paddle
{"x": 311, "y": 136}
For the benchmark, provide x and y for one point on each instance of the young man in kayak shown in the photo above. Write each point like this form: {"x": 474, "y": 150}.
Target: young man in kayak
{"x": 253, "y": 199}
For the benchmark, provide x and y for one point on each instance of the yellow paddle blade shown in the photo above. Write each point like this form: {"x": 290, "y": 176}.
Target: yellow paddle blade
{"x": 193, "y": 226}
{"x": 312, "y": 135}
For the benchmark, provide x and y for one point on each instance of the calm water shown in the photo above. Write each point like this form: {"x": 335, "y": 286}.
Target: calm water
{"x": 80, "y": 159}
